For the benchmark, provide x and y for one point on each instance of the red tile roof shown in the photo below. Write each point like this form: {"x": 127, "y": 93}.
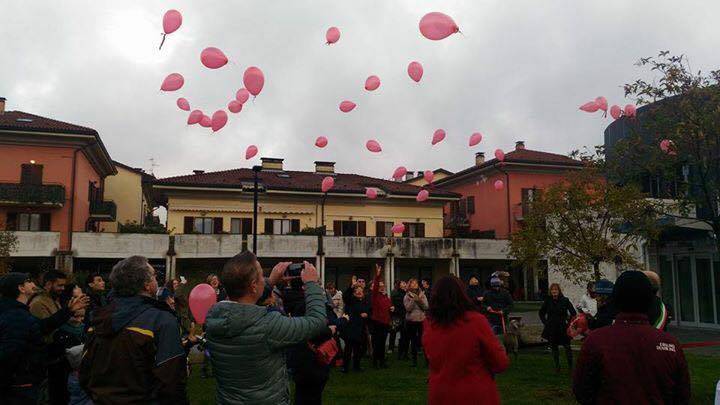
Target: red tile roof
{"x": 295, "y": 181}
{"x": 525, "y": 156}
{"x": 22, "y": 121}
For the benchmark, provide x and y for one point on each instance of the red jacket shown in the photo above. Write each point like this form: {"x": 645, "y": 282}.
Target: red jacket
{"x": 631, "y": 362}
{"x": 463, "y": 359}
{"x": 381, "y": 304}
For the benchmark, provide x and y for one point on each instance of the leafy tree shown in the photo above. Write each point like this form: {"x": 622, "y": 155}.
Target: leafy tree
{"x": 8, "y": 244}
{"x": 582, "y": 222}
{"x": 135, "y": 227}
{"x": 682, "y": 108}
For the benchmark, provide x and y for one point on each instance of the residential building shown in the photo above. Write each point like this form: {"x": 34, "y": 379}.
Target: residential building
{"x": 52, "y": 178}
{"x": 486, "y": 212}
{"x": 418, "y": 178}
{"x": 131, "y": 191}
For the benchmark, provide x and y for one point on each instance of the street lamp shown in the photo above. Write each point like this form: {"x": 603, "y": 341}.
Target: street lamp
{"x": 256, "y": 170}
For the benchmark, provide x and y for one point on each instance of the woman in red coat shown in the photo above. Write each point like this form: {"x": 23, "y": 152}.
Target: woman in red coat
{"x": 463, "y": 352}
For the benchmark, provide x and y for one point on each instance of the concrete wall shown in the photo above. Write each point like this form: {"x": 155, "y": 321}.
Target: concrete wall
{"x": 125, "y": 189}
{"x": 36, "y": 244}
{"x": 119, "y": 245}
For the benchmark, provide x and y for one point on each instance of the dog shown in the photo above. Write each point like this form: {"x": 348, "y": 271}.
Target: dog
{"x": 511, "y": 338}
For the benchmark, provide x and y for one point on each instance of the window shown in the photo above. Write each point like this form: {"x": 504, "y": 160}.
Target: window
{"x": 281, "y": 226}
{"x": 528, "y": 196}
{"x": 31, "y": 174}
{"x": 349, "y": 228}
{"x": 203, "y": 225}
{"x": 28, "y": 222}
{"x": 241, "y": 226}
{"x": 471, "y": 205}
{"x": 383, "y": 229}
{"x": 414, "y": 230}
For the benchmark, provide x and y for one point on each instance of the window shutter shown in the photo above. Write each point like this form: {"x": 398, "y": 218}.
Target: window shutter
{"x": 379, "y": 228}
{"x": 295, "y": 226}
{"x": 217, "y": 225}
{"x": 31, "y": 174}
{"x": 361, "y": 231}
{"x": 463, "y": 206}
{"x": 45, "y": 222}
{"x": 420, "y": 233}
{"x": 337, "y": 228}
{"x": 11, "y": 223}
{"x": 247, "y": 226}
{"x": 471, "y": 205}
{"x": 268, "y": 226}
{"x": 188, "y": 224}
{"x": 406, "y": 232}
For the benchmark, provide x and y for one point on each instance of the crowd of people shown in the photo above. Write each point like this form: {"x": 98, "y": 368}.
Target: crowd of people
{"x": 129, "y": 341}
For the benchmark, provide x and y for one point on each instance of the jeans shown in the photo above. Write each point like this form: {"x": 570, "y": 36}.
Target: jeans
{"x": 556, "y": 355}
{"x": 379, "y": 336}
{"x": 308, "y": 390}
{"x": 353, "y": 351}
{"x": 414, "y": 331}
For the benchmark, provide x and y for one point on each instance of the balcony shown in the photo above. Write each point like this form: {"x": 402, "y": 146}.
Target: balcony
{"x": 32, "y": 195}
{"x": 103, "y": 210}
{"x": 119, "y": 245}
{"x": 36, "y": 244}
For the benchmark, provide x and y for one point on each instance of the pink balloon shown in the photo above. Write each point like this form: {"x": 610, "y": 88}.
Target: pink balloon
{"x": 206, "y": 121}
{"x": 398, "y": 228}
{"x": 399, "y": 173}
{"x": 373, "y": 146}
{"x": 321, "y": 142}
{"x": 213, "y": 58}
{"x": 327, "y": 183}
{"x": 183, "y": 104}
{"x": 347, "y": 106}
{"x": 254, "y": 80}
{"x": 665, "y": 145}
{"x": 475, "y": 139}
{"x": 219, "y": 119}
{"x": 171, "y": 21}
{"x": 499, "y": 155}
{"x": 499, "y": 185}
{"x": 616, "y": 111}
{"x": 590, "y": 106}
{"x": 437, "y": 26}
{"x": 201, "y": 299}
{"x": 372, "y": 83}
{"x": 242, "y": 96}
{"x": 422, "y": 196}
{"x": 332, "y": 35}
{"x": 429, "y": 176}
{"x": 371, "y": 193}
{"x": 172, "y": 82}
{"x": 438, "y": 136}
{"x": 630, "y": 110}
{"x": 235, "y": 106}
{"x": 602, "y": 103}
{"x": 415, "y": 70}
{"x": 250, "y": 152}
{"x": 195, "y": 117}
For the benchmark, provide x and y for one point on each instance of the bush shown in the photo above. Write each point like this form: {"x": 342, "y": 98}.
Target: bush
{"x": 134, "y": 227}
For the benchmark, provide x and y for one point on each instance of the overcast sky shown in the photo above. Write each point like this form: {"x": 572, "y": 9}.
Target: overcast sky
{"x": 519, "y": 71}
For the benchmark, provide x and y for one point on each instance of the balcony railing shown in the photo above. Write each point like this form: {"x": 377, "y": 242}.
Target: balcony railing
{"x": 103, "y": 210}
{"x": 32, "y": 194}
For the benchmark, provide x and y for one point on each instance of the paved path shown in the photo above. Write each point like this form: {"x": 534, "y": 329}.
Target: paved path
{"x": 689, "y": 335}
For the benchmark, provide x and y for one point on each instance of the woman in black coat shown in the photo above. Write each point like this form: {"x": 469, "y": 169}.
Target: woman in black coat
{"x": 353, "y": 330}
{"x": 555, "y": 314}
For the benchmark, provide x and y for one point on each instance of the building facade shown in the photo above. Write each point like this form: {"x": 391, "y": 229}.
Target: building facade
{"x": 131, "y": 191}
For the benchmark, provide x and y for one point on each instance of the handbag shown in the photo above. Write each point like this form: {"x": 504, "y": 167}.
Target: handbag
{"x": 325, "y": 352}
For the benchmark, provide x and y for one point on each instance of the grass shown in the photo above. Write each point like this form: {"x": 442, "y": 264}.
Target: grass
{"x": 526, "y": 306}
{"x": 529, "y": 380}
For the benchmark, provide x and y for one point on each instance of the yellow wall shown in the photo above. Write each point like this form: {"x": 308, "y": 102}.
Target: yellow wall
{"x": 305, "y": 208}
{"x": 420, "y": 181}
{"x": 125, "y": 189}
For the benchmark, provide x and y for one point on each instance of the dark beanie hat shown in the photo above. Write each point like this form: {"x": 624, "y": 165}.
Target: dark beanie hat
{"x": 633, "y": 292}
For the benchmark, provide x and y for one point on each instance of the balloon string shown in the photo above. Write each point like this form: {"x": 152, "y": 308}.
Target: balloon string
{"x": 163, "y": 40}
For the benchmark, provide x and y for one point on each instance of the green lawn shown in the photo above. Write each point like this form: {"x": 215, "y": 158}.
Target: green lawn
{"x": 529, "y": 380}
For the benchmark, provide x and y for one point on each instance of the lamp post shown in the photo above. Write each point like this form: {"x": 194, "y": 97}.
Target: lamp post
{"x": 256, "y": 170}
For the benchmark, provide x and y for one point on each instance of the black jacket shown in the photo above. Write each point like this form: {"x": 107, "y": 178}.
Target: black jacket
{"x": 354, "y": 329}
{"x": 498, "y": 300}
{"x": 604, "y": 317}
{"x": 555, "y": 315}
{"x": 23, "y": 352}
{"x": 134, "y": 354}
{"x": 397, "y": 297}
{"x": 475, "y": 292}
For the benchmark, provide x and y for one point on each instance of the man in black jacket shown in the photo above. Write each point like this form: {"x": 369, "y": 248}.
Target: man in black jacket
{"x": 134, "y": 352}
{"x": 23, "y": 352}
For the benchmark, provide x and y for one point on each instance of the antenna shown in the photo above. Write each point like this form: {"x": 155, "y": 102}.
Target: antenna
{"x": 153, "y": 165}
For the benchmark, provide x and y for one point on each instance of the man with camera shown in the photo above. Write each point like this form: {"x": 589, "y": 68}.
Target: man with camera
{"x": 247, "y": 342}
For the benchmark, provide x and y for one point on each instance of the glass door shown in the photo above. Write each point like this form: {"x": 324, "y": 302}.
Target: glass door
{"x": 704, "y": 283}
{"x": 685, "y": 290}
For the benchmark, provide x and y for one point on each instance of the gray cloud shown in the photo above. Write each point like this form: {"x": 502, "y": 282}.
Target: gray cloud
{"x": 519, "y": 71}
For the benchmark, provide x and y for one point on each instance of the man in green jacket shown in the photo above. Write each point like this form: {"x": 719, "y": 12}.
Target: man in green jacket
{"x": 247, "y": 342}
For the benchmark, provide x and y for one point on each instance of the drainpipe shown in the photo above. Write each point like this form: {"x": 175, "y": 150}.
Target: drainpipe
{"x": 71, "y": 213}
{"x": 507, "y": 196}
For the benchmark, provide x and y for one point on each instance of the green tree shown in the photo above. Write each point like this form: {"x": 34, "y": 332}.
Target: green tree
{"x": 584, "y": 221}
{"x": 683, "y": 108}
{"x": 8, "y": 244}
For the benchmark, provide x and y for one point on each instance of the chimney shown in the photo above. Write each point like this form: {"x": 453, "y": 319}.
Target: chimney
{"x": 272, "y": 164}
{"x": 324, "y": 167}
{"x": 519, "y": 145}
{"x": 2, "y": 105}
{"x": 198, "y": 171}
{"x": 479, "y": 158}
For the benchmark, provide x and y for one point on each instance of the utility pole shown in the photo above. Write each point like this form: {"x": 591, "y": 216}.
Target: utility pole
{"x": 256, "y": 170}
